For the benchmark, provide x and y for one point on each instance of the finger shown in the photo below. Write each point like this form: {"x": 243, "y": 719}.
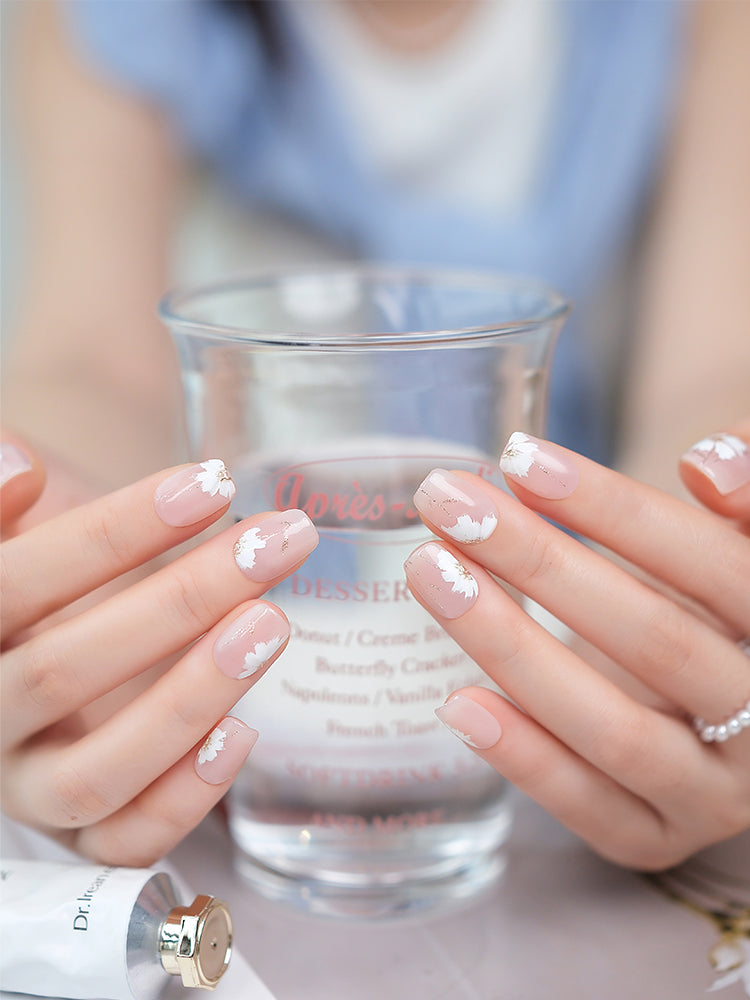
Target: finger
{"x": 68, "y": 666}
{"x": 618, "y": 824}
{"x": 646, "y": 752}
{"x": 155, "y": 821}
{"x": 86, "y": 781}
{"x": 21, "y": 479}
{"x": 611, "y": 819}
{"x": 717, "y": 471}
{"x": 58, "y": 561}
{"x": 660, "y": 643}
{"x": 688, "y": 549}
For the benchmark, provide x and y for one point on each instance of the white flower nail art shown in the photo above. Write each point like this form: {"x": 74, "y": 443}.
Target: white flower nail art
{"x": 246, "y": 546}
{"x": 462, "y": 736}
{"x": 214, "y": 743}
{"x": 215, "y": 479}
{"x": 723, "y": 446}
{"x": 733, "y": 958}
{"x": 518, "y": 456}
{"x": 258, "y": 655}
{"x": 454, "y": 573}
{"x": 466, "y": 529}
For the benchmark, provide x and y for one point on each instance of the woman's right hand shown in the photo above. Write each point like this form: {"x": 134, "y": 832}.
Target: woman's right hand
{"x": 127, "y": 788}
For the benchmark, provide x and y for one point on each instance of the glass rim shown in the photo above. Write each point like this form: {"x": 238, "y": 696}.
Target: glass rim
{"x": 182, "y": 296}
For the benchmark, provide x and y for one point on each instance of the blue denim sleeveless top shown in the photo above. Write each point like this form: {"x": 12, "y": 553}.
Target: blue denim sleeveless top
{"x": 277, "y": 135}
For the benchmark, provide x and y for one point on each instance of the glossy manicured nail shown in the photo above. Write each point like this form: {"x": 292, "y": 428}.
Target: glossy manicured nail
{"x": 251, "y": 640}
{"x": 12, "y": 462}
{"x": 456, "y": 507}
{"x": 275, "y": 545}
{"x": 224, "y": 751}
{"x": 538, "y": 466}
{"x": 444, "y": 585}
{"x": 191, "y": 494}
{"x": 722, "y": 458}
{"x": 470, "y": 721}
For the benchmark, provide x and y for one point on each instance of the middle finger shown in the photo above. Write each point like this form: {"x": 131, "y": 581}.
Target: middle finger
{"x": 662, "y": 644}
{"x": 69, "y": 666}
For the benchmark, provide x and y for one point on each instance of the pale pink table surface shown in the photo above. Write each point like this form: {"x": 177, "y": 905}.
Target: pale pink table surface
{"x": 560, "y": 924}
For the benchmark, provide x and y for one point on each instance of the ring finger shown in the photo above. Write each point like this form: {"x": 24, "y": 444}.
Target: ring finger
{"x": 644, "y": 751}
{"x": 87, "y": 780}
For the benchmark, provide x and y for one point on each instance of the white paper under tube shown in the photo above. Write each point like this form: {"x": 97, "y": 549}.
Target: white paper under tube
{"x": 239, "y": 982}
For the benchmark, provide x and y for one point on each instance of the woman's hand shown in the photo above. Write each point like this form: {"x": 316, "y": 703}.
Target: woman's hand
{"x": 623, "y": 765}
{"x": 126, "y": 789}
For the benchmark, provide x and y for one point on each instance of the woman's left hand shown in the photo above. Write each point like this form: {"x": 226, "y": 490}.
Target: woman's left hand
{"x": 626, "y": 763}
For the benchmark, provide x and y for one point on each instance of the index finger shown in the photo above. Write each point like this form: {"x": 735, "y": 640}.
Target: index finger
{"x": 70, "y": 555}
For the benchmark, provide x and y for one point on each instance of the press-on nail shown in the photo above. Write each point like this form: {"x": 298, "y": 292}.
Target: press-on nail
{"x": 12, "y": 462}
{"x": 246, "y": 646}
{"x": 192, "y": 494}
{"x": 722, "y": 458}
{"x": 456, "y": 506}
{"x": 539, "y": 466}
{"x": 275, "y": 545}
{"x": 470, "y": 721}
{"x": 224, "y": 750}
{"x": 443, "y": 583}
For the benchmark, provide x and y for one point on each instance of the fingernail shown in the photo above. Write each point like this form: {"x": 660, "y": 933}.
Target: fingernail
{"x": 251, "y": 640}
{"x": 224, "y": 750}
{"x": 470, "y": 721}
{"x": 275, "y": 545}
{"x": 12, "y": 462}
{"x": 724, "y": 459}
{"x": 539, "y": 466}
{"x": 191, "y": 494}
{"x": 456, "y": 506}
{"x": 445, "y": 586}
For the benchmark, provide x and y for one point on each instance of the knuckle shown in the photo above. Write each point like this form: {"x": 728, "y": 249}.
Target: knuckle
{"x": 541, "y": 558}
{"x": 623, "y": 746}
{"x": 74, "y": 800}
{"x": 188, "y": 711}
{"x": 47, "y": 679}
{"x": 185, "y": 602}
{"x": 666, "y": 646}
{"x": 105, "y": 535}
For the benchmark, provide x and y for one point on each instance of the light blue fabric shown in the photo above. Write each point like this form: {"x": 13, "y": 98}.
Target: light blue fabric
{"x": 279, "y": 136}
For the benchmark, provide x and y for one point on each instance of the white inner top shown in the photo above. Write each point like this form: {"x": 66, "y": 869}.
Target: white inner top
{"x": 465, "y": 122}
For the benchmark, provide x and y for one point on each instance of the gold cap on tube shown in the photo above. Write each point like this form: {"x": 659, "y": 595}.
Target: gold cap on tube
{"x": 196, "y": 942}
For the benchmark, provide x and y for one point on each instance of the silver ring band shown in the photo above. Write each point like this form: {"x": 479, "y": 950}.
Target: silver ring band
{"x": 732, "y": 726}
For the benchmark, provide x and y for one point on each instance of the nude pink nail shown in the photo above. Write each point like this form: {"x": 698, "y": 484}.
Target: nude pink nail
{"x": 251, "y": 640}
{"x": 539, "y": 466}
{"x": 470, "y": 721}
{"x": 224, "y": 751}
{"x": 722, "y": 458}
{"x": 191, "y": 494}
{"x": 275, "y": 545}
{"x": 12, "y": 462}
{"x": 444, "y": 585}
{"x": 456, "y": 506}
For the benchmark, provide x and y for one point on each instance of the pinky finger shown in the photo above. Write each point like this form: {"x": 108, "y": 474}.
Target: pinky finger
{"x": 157, "y": 819}
{"x": 618, "y": 824}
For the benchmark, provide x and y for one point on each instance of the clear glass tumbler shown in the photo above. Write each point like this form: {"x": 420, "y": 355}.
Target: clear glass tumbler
{"x": 336, "y": 392}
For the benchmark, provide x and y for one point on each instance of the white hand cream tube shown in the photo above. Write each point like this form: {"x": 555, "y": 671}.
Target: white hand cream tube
{"x": 85, "y": 931}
